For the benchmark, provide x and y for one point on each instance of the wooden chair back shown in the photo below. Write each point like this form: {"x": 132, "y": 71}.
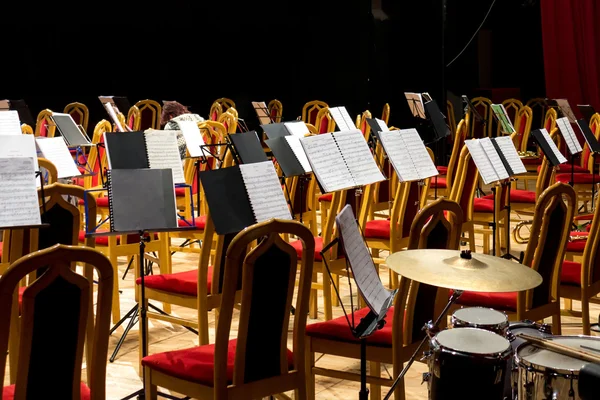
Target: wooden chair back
{"x": 385, "y": 114}
{"x": 512, "y": 107}
{"x": 225, "y": 103}
{"x": 275, "y": 110}
{"x": 44, "y": 126}
{"x": 457, "y": 145}
{"x": 48, "y": 170}
{"x": 590, "y": 264}
{"x": 229, "y": 120}
{"x": 79, "y": 112}
{"x": 26, "y": 129}
{"x": 465, "y": 184}
{"x": 523, "y": 120}
{"x": 324, "y": 123}
{"x": 215, "y": 111}
{"x": 150, "y": 111}
{"x": 478, "y": 129}
{"x": 134, "y": 118}
{"x": 310, "y": 111}
{"x": 97, "y": 155}
{"x": 538, "y": 107}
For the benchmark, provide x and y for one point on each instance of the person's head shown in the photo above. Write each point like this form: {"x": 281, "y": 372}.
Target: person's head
{"x": 172, "y": 109}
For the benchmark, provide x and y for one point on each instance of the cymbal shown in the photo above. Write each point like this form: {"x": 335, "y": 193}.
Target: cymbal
{"x": 447, "y": 269}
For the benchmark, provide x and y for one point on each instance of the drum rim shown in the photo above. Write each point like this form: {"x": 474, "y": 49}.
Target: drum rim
{"x": 506, "y": 353}
{"x": 500, "y": 325}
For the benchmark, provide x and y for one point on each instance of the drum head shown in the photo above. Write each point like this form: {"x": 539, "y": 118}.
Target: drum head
{"x": 481, "y": 316}
{"x": 472, "y": 340}
{"x": 537, "y": 357}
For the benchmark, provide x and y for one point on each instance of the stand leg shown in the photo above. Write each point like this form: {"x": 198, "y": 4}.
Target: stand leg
{"x": 364, "y": 392}
{"x": 197, "y": 188}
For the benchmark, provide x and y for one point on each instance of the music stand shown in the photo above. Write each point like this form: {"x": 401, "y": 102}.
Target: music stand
{"x": 587, "y": 111}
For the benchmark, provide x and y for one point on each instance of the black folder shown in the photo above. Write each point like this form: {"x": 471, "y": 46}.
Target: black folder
{"x": 587, "y": 111}
{"x": 275, "y": 130}
{"x": 502, "y": 158}
{"x": 122, "y": 104}
{"x": 248, "y": 147}
{"x": 437, "y": 119}
{"x": 375, "y": 128}
{"x": 287, "y": 160}
{"x": 23, "y": 110}
{"x": 541, "y": 141}
{"x": 126, "y": 150}
{"x": 589, "y": 136}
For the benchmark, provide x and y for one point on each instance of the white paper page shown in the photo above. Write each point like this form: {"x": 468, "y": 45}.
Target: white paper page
{"x": 327, "y": 162}
{"x": 418, "y": 153}
{"x": 395, "y": 148}
{"x": 507, "y": 147}
{"x": 18, "y": 193}
{"x": 555, "y": 150}
{"x": 495, "y": 160}
{"x": 296, "y": 146}
{"x": 297, "y": 128}
{"x": 163, "y": 153}
{"x": 9, "y": 123}
{"x": 363, "y": 268}
{"x": 19, "y": 146}
{"x": 113, "y": 115}
{"x": 382, "y": 125}
{"x": 264, "y": 191}
{"x": 193, "y": 137}
{"x": 55, "y": 149}
{"x": 336, "y": 114}
{"x": 482, "y": 162}
{"x": 347, "y": 118}
{"x": 358, "y": 157}
{"x": 568, "y": 134}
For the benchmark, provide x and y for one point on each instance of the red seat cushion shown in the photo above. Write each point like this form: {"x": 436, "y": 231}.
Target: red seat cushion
{"x": 532, "y": 161}
{"x": 378, "y": 228}
{"x": 570, "y": 273}
{"x": 103, "y": 240}
{"x": 326, "y": 197}
{"x": 564, "y": 168}
{"x": 100, "y": 201}
{"x": 517, "y": 196}
{"x": 297, "y": 245}
{"x": 483, "y": 205}
{"x": 577, "y": 245}
{"x": 180, "y": 191}
{"x": 337, "y": 329}
{"x": 8, "y": 392}
{"x": 181, "y": 282}
{"x": 501, "y": 300}
{"x": 196, "y": 364}
{"x": 200, "y": 222}
{"x": 437, "y": 182}
{"x": 578, "y": 178}
{"x": 443, "y": 170}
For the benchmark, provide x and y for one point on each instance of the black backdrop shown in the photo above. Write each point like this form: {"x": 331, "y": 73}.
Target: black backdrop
{"x": 295, "y": 51}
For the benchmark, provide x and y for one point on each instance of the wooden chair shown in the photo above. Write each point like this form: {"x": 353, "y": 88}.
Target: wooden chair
{"x": 385, "y": 114}
{"x": 44, "y": 126}
{"x": 134, "y": 118}
{"x": 451, "y": 117}
{"x": 215, "y": 111}
{"x": 545, "y": 254}
{"x": 512, "y": 107}
{"x": 463, "y": 192}
{"x": 275, "y": 110}
{"x": 538, "y": 106}
{"x": 324, "y": 123}
{"x": 487, "y": 211}
{"x": 477, "y": 129}
{"x": 51, "y": 359}
{"x": 441, "y": 185}
{"x": 362, "y": 125}
{"x": 225, "y": 103}
{"x": 310, "y": 111}
{"x": 229, "y": 120}
{"x": 257, "y": 363}
{"x": 79, "y": 112}
{"x": 150, "y": 111}
{"x": 48, "y": 170}
{"x": 26, "y": 129}
{"x": 436, "y": 226}
{"x": 522, "y": 125}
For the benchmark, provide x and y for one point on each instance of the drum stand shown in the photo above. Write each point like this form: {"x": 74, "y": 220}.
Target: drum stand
{"x": 430, "y": 328}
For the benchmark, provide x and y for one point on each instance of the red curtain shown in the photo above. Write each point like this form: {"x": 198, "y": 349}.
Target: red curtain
{"x": 572, "y": 50}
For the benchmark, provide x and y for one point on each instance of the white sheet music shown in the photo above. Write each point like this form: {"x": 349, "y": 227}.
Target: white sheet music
{"x": 19, "y": 146}
{"x": 193, "y": 137}
{"x": 382, "y": 125}
{"x": 264, "y": 191}
{"x": 9, "y": 123}
{"x": 297, "y": 128}
{"x": 296, "y": 146}
{"x": 507, "y": 147}
{"x": 408, "y": 155}
{"x": 342, "y": 118}
{"x": 113, "y": 116}
{"x": 484, "y": 166}
{"x": 18, "y": 193}
{"x": 555, "y": 150}
{"x": 163, "y": 153}
{"x": 327, "y": 162}
{"x": 363, "y": 268}
{"x": 358, "y": 157}
{"x": 568, "y": 134}
{"x": 495, "y": 160}
{"x": 55, "y": 149}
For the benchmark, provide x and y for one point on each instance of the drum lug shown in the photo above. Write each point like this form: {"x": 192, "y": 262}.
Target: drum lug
{"x": 426, "y": 355}
{"x": 545, "y": 328}
{"x": 426, "y": 377}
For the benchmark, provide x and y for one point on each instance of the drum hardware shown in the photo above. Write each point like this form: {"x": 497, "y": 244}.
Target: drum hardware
{"x": 482, "y": 318}
{"x": 517, "y": 235}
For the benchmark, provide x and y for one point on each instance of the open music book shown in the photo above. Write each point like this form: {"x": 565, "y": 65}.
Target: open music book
{"x": 19, "y": 146}
{"x": 503, "y": 119}
{"x": 415, "y": 103}
{"x": 567, "y": 132}
{"x": 565, "y": 107}
{"x": 342, "y": 119}
{"x": 18, "y": 193}
{"x": 243, "y": 195}
{"x": 55, "y": 149}
{"x": 377, "y": 297}
{"x": 509, "y": 155}
{"x": 9, "y": 123}
{"x": 69, "y": 130}
{"x": 141, "y": 199}
{"x": 290, "y": 155}
{"x": 548, "y": 147}
{"x": 341, "y": 160}
{"x": 591, "y": 140}
{"x": 408, "y": 154}
{"x": 151, "y": 149}
{"x": 262, "y": 112}
{"x": 486, "y": 160}
{"x": 193, "y": 138}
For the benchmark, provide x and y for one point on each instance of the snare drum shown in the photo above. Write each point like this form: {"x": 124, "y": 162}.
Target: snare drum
{"x": 545, "y": 374}
{"x": 482, "y": 318}
{"x": 468, "y": 363}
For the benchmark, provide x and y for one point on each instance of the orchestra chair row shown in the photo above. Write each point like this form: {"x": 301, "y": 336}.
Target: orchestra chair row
{"x": 150, "y": 114}
{"x": 440, "y": 186}
{"x": 59, "y": 322}
{"x": 436, "y": 226}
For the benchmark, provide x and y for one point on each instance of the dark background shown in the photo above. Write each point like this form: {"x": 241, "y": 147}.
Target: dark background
{"x": 295, "y": 51}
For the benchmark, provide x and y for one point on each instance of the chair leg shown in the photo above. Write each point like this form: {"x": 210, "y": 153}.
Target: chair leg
{"x": 327, "y": 307}
{"x": 569, "y": 304}
{"x": 334, "y": 298}
{"x": 164, "y": 258}
{"x": 151, "y": 392}
{"x": 556, "y": 326}
{"x": 585, "y": 315}
{"x": 375, "y": 390}
{"x": 309, "y": 364}
{"x": 116, "y": 304}
{"x": 472, "y": 238}
{"x": 141, "y": 329}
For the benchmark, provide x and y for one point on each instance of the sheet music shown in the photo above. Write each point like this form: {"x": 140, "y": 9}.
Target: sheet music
{"x": 18, "y": 193}
{"x": 510, "y": 153}
{"x": 484, "y": 166}
{"x": 342, "y": 119}
{"x": 261, "y": 112}
{"x": 193, "y": 137}
{"x": 9, "y": 123}
{"x": 408, "y": 155}
{"x": 264, "y": 191}
{"x": 163, "y": 153}
{"x": 19, "y": 146}
{"x": 418, "y": 153}
{"x": 296, "y": 146}
{"x": 296, "y": 128}
{"x": 327, "y": 162}
{"x": 358, "y": 157}
{"x": 113, "y": 115}
{"x": 415, "y": 102}
{"x": 565, "y": 107}
{"x": 55, "y": 149}
{"x": 382, "y": 125}
{"x": 567, "y": 132}
{"x": 495, "y": 160}
{"x": 548, "y": 139}
{"x": 363, "y": 268}
{"x": 503, "y": 119}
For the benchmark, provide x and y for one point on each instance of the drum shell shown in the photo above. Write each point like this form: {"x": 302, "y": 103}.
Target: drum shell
{"x": 500, "y": 328}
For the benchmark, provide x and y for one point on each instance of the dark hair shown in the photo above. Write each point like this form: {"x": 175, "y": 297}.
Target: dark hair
{"x": 170, "y": 110}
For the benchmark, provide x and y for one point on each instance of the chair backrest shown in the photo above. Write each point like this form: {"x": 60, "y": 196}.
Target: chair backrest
{"x": 404, "y": 208}
{"x": 50, "y": 358}
{"x": 215, "y": 111}
{"x": 385, "y": 114}
{"x": 134, "y": 118}
{"x": 324, "y": 123}
{"x": 229, "y": 120}
{"x": 363, "y": 126}
{"x": 457, "y": 145}
{"x": 51, "y": 173}
{"x": 550, "y": 119}
{"x": 465, "y": 184}
{"x": 225, "y": 103}
{"x": 310, "y": 111}
{"x": 590, "y": 265}
{"x": 150, "y": 111}
{"x": 268, "y": 281}
{"x": 451, "y": 117}
{"x": 96, "y": 158}
{"x": 523, "y": 119}
{"x": 552, "y": 220}
{"x": 26, "y": 129}
{"x": 512, "y": 107}
{"x": 79, "y": 112}
{"x": 538, "y": 106}
{"x": 478, "y": 129}
{"x": 44, "y": 126}
{"x": 275, "y": 110}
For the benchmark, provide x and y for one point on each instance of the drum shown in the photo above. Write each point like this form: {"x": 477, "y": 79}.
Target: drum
{"x": 545, "y": 374}
{"x": 481, "y": 317}
{"x": 468, "y": 363}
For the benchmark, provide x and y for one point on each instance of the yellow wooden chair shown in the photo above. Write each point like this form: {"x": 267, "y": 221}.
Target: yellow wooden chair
{"x": 229, "y": 119}
{"x": 226, "y": 103}
{"x": 80, "y": 114}
{"x": 512, "y": 107}
{"x": 26, "y": 129}
{"x": 150, "y": 111}
{"x": 477, "y": 129}
{"x": 44, "y": 126}
{"x": 215, "y": 111}
{"x": 538, "y": 106}
{"x": 275, "y": 110}
{"x": 134, "y": 118}
{"x": 385, "y": 114}
{"x": 441, "y": 185}
{"x": 310, "y": 111}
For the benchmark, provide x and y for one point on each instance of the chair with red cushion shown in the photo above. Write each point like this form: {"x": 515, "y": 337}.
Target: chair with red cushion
{"x": 150, "y": 112}
{"x": 463, "y": 192}
{"x": 481, "y": 129}
{"x": 275, "y": 110}
{"x": 257, "y": 362}
{"x": 50, "y": 359}
{"x": 494, "y": 210}
{"x": 310, "y": 111}
{"x": 444, "y": 183}
{"x": 44, "y": 126}
{"x": 80, "y": 114}
{"x": 134, "y": 118}
{"x": 545, "y": 254}
{"x": 436, "y": 226}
